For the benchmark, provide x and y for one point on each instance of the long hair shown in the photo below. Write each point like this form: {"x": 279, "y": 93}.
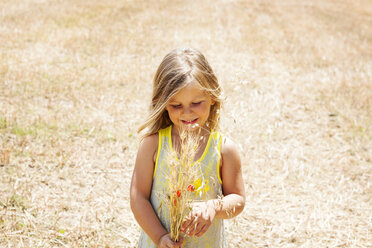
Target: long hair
{"x": 177, "y": 69}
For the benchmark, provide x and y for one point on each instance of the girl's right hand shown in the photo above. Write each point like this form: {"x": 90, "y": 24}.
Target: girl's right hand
{"x": 166, "y": 242}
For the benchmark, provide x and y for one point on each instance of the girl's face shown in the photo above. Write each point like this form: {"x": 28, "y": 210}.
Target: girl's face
{"x": 191, "y": 105}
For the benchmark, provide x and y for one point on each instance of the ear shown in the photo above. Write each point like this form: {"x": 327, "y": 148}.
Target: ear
{"x": 213, "y": 102}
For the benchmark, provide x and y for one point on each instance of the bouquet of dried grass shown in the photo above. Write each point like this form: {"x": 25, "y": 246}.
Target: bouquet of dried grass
{"x": 183, "y": 173}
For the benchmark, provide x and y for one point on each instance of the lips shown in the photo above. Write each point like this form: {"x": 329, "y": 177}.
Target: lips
{"x": 188, "y": 122}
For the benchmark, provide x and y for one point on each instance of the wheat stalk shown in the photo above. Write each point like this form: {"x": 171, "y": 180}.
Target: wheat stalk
{"x": 183, "y": 172}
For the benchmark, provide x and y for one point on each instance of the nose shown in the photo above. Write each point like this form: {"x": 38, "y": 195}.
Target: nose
{"x": 187, "y": 110}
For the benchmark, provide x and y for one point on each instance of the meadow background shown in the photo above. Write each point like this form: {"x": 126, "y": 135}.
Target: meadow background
{"x": 75, "y": 84}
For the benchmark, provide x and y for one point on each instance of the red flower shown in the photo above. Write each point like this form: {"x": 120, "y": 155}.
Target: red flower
{"x": 178, "y": 193}
{"x": 175, "y": 202}
{"x": 190, "y": 188}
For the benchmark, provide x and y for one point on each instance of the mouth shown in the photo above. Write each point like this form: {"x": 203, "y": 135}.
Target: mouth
{"x": 189, "y": 122}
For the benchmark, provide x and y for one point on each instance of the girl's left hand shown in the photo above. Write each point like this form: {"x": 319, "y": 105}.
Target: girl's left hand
{"x": 199, "y": 219}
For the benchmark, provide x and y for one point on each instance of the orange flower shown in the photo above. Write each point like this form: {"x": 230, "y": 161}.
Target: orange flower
{"x": 190, "y": 188}
{"x": 178, "y": 193}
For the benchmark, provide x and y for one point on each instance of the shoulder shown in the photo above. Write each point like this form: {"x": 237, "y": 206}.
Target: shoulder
{"x": 150, "y": 140}
{"x": 149, "y": 145}
{"x": 229, "y": 153}
{"x": 228, "y": 146}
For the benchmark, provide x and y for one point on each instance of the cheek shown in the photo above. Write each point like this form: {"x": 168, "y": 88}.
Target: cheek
{"x": 202, "y": 109}
{"x": 173, "y": 113}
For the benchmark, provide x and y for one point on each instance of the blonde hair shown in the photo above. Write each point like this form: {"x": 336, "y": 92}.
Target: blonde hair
{"x": 177, "y": 69}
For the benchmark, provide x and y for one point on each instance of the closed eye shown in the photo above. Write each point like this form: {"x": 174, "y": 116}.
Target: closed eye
{"x": 196, "y": 103}
{"x": 176, "y": 106}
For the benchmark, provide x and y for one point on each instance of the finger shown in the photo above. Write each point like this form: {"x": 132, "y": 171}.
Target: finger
{"x": 191, "y": 229}
{"x": 181, "y": 239}
{"x": 186, "y": 223}
{"x": 176, "y": 245}
{"x": 194, "y": 229}
{"x": 189, "y": 224}
{"x": 173, "y": 245}
{"x": 185, "y": 226}
{"x": 198, "y": 228}
{"x": 180, "y": 242}
{"x": 201, "y": 231}
{"x": 169, "y": 244}
{"x": 195, "y": 221}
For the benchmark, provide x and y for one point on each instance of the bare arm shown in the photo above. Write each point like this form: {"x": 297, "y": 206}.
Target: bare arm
{"x": 233, "y": 201}
{"x": 140, "y": 190}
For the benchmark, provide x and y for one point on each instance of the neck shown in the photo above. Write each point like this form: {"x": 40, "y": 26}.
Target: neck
{"x": 197, "y": 136}
{"x": 197, "y": 130}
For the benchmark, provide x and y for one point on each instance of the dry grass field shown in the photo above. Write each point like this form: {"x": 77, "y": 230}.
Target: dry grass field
{"x": 75, "y": 84}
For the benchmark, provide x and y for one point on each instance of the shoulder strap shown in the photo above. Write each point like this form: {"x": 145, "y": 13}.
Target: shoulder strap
{"x": 164, "y": 135}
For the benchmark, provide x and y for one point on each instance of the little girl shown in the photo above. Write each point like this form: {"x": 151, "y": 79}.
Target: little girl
{"x": 186, "y": 94}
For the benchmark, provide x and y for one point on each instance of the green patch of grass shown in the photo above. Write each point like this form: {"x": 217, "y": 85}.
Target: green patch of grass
{"x": 22, "y": 153}
{"x": 38, "y": 129}
{"x": 3, "y": 123}
{"x": 78, "y": 130}
{"x": 21, "y": 131}
{"x": 16, "y": 201}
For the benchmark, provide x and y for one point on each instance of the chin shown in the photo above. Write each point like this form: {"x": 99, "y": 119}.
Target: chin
{"x": 189, "y": 126}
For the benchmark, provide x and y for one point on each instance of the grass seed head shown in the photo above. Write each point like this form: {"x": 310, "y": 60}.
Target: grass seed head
{"x": 183, "y": 172}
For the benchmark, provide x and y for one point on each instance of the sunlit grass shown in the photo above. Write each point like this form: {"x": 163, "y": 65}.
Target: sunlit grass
{"x": 75, "y": 83}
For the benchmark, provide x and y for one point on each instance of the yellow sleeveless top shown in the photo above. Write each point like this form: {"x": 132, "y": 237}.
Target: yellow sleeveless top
{"x": 210, "y": 163}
